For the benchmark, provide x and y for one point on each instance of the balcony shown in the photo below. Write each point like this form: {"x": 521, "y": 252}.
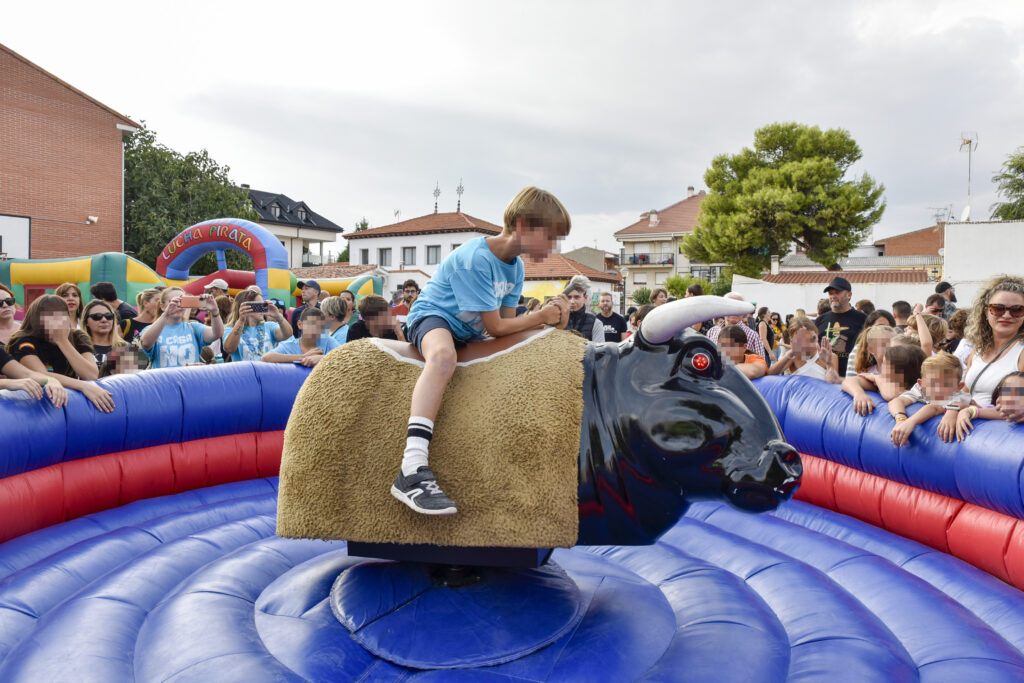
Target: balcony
{"x": 312, "y": 260}
{"x": 646, "y": 259}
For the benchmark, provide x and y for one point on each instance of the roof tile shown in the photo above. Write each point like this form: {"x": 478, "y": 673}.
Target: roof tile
{"x": 680, "y": 217}
{"x": 558, "y": 267}
{"x": 333, "y": 270}
{"x": 853, "y": 276}
{"x": 431, "y": 223}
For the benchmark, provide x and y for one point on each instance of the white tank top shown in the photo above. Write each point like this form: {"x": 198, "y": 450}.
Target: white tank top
{"x": 811, "y": 369}
{"x": 982, "y": 393}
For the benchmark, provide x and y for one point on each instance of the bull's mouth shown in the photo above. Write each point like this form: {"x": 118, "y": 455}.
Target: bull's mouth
{"x": 762, "y": 483}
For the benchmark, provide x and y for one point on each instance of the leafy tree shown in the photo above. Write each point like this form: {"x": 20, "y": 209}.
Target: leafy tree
{"x": 343, "y": 256}
{"x": 362, "y": 224}
{"x": 165, "y": 192}
{"x": 641, "y": 296}
{"x": 1010, "y": 185}
{"x": 790, "y": 188}
{"x": 723, "y": 285}
{"x": 677, "y": 285}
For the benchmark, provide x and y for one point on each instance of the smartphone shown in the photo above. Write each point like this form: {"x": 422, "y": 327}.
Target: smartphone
{"x": 257, "y": 306}
{"x": 189, "y": 302}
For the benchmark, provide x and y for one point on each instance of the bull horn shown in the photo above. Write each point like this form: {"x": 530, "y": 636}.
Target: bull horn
{"x": 668, "y": 320}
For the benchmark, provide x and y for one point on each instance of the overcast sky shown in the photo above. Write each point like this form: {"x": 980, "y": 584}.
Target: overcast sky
{"x": 359, "y": 108}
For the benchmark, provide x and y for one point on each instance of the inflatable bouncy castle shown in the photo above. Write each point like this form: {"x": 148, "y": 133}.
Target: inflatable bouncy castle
{"x": 141, "y": 545}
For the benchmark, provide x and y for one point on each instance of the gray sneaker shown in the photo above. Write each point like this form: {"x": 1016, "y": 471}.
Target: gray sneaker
{"x": 421, "y": 493}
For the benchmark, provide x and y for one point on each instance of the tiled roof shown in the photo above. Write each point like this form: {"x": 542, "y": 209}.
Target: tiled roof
{"x": 802, "y": 261}
{"x": 431, "y": 223}
{"x": 881, "y": 242}
{"x": 854, "y": 276}
{"x": 333, "y": 270}
{"x": 558, "y": 267}
{"x": 680, "y": 217}
{"x": 262, "y": 201}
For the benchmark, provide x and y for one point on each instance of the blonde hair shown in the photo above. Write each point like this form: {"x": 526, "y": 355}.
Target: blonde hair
{"x": 978, "y": 331}
{"x": 937, "y": 327}
{"x": 115, "y": 332}
{"x": 334, "y": 307}
{"x": 165, "y": 297}
{"x": 945, "y": 363}
{"x": 799, "y": 321}
{"x": 537, "y": 209}
{"x": 905, "y": 340}
{"x": 532, "y": 305}
{"x": 864, "y": 359}
{"x": 145, "y": 296}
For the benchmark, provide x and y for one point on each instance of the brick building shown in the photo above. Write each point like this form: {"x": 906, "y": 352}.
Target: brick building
{"x": 929, "y": 241}
{"x": 61, "y": 166}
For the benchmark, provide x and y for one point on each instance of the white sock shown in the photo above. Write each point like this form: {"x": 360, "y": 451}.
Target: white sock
{"x": 417, "y": 443}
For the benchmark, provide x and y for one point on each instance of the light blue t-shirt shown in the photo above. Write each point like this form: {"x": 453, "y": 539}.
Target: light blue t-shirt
{"x": 340, "y": 335}
{"x": 291, "y": 346}
{"x": 178, "y": 345}
{"x": 256, "y": 340}
{"x": 470, "y": 281}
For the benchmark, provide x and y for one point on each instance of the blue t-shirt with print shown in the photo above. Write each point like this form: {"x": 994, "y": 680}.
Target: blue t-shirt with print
{"x": 291, "y": 346}
{"x": 255, "y": 341}
{"x": 178, "y": 345}
{"x": 467, "y": 283}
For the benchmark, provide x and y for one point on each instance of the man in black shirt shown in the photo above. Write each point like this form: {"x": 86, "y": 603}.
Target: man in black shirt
{"x": 107, "y": 292}
{"x": 613, "y": 323}
{"x": 843, "y": 323}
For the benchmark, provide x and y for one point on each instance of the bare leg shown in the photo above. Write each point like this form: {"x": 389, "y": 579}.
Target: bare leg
{"x": 438, "y": 351}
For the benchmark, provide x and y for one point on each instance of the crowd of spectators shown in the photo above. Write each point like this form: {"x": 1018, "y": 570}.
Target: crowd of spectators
{"x": 964, "y": 364}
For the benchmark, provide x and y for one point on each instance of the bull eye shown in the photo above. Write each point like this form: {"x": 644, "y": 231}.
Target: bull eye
{"x": 701, "y": 362}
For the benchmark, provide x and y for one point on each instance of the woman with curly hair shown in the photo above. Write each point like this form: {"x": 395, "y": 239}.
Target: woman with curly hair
{"x": 994, "y": 327}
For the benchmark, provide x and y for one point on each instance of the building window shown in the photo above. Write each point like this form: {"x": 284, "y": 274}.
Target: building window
{"x": 364, "y": 257}
{"x": 408, "y": 256}
{"x": 275, "y": 210}
{"x": 301, "y": 213}
{"x": 384, "y": 257}
{"x": 433, "y": 255}
{"x": 456, "y": 246}
{"x": 639, "y": 278}
{"x": 659, "y": 278}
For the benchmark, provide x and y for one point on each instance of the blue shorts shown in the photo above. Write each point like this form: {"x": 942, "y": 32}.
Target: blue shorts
{"x": 419, "y": 329}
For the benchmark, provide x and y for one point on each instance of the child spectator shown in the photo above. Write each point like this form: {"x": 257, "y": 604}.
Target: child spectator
{"x": 732, "y": 340}
{"x": 249, "y": 335}
{"x": 47, "y": 345}
{"x": 659, "y": 296}
{"x": 1007, "y": 404}
{"x": 880, "y": 316}
{"x": 928, "y": 328}
{"x": 336, "y": 311}
{"x": 865, "y": 306}
{"x": 72, "y": 296}
{"x": 955, "y": 337}
{"x": 8, "y": 307}
{"x": 754, "y": 343}
{"x": 636, "y": 318}
{"x": 99, "y": 322}
{"x": 16, "y": 377}
{"x": 148, "y": 302}
{"x": 806, "y": 357}
{"x": 124, "y": 360}
{"x": 581, "y": 319}
{"x": 351, "y": 317}
{"x": 311, "y": 345}
{"x": 174, "y": 341}
{"x": 899, "y": 371}
{"x": 940, "y": 387}
{"x": 376, "y": 320}
{"x": 871, "y": 345}
{"x": 532, "y": 305}
{"x": 107, "y": 292}
{"x": 473, "y": 293}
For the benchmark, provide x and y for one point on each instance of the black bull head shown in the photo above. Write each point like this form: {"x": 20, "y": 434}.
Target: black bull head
{"x": 666, "y": 422}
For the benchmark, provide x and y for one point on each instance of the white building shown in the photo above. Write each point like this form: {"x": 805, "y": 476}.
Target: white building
{"x": 413, "y": 249}
{"x": 975, "y": 252}
{"x": 787, "y": 291}
{"x": 301, "y": 230}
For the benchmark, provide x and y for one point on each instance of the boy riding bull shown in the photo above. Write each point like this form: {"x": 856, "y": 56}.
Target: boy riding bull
{"x": 472, "y": 296}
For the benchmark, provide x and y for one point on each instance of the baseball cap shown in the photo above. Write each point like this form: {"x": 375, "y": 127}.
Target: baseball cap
{"x": 310, "y": 283}
{"x": 839, "y": 283}
{"x": 217, "y": 283}
{"x": 942, "y": 287}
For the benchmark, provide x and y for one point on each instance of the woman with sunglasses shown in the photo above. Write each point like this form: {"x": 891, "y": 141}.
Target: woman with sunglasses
{"x": 8, "y": 307}
{"x": 72, "y": 296}
{"x": 100, "y": 324}
{"x": 994, "y": 328}
{"x": 47, "y": 344}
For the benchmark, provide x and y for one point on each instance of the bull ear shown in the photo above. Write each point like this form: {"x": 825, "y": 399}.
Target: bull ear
{"x": 668, "y": 320}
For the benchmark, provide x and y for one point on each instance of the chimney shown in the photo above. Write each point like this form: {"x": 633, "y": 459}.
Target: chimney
{"x": 245, "y": 186}
{"x": 775, "y": 265}
{"x": 653, "y": 218}
{"x": 689, "y": 191}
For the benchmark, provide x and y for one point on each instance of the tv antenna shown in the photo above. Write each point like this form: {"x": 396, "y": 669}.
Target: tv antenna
{"x": 969, "y": 142}
{"x": 437, "y": 193}
{"x": 398, "y": 215}
{"x": 459, "y": 190}
{"x": 939, "y": 212}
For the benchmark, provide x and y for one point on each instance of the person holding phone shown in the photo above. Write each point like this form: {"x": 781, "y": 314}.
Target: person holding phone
{"x": 254, "y": 328}
{"x": 174, "y": 341}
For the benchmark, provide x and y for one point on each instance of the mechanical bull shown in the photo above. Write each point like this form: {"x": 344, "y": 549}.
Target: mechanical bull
{"x": 665, "y": 422}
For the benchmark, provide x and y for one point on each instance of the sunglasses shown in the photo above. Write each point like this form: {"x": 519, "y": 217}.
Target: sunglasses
{"x": 101, "y": 316}
{"x": 997, "y": 310}
{"x": 935, "y": 311}
{"x": 10, "y": 301}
